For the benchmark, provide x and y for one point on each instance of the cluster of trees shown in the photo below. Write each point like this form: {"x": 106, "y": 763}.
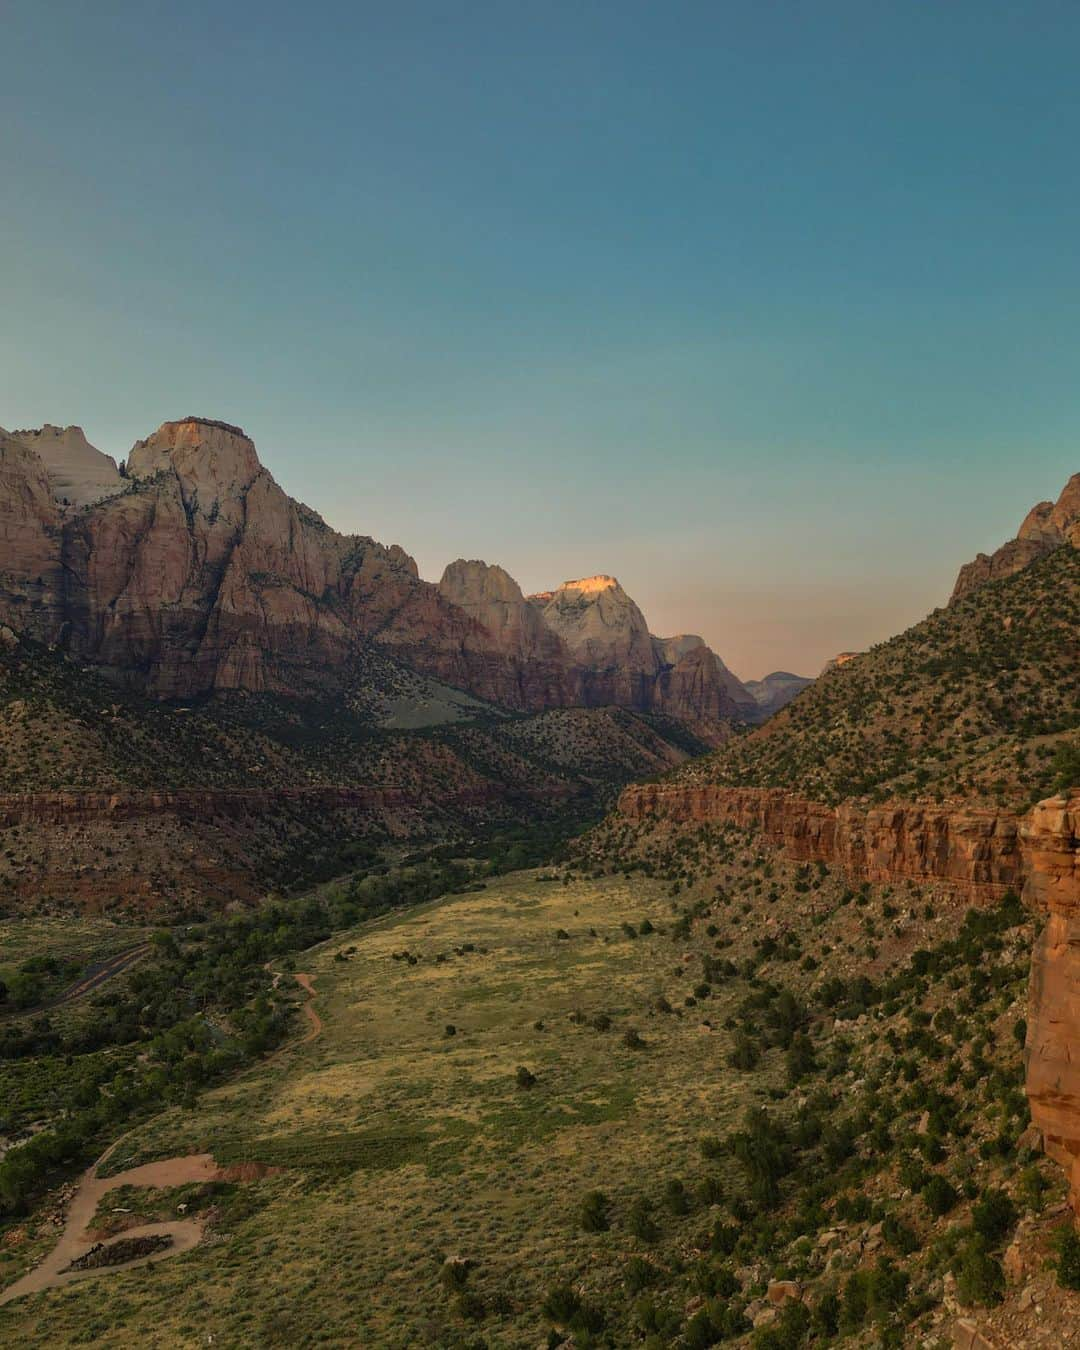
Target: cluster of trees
{"x": 201, "y": 1005}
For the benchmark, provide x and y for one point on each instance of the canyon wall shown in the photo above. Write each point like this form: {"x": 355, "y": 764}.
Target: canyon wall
{"x": 192, "y": 571}
{"x": 979, "y": 854}
{"x": 976, "y": 852}
{"x": 1051, "y": 837}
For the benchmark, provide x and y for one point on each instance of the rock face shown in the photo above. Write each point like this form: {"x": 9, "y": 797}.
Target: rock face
{"x": 777, "y": 690}
{"x": 979, "y": 854}
{"x": 1052, "y": 841}
{"x": 194, "y": 572}
{"x": 976, "y": 852}
{"x": 78, "y": 473}
{"x": 1047, "y": 526}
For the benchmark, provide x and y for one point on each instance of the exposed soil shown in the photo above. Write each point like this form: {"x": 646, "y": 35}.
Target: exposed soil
{"x": 67, "y": 1260}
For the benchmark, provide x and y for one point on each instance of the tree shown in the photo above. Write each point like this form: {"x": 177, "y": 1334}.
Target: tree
{"x": 763, "y": 1149}
{"x": 594, "y": 1213}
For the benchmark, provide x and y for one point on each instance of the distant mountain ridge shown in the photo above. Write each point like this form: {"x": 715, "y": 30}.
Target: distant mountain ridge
{"x": 189, "y": 571}
{"x": 777, "y": 690}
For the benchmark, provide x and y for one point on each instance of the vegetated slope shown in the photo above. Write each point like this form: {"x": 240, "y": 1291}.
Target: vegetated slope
{"x": 974, "y": 702}
{"x": 616, "y": 1108}
{"x": 113, "y": 802}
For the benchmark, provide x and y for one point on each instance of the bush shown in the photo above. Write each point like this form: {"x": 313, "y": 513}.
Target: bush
{"x": 594, "y": 1213}
{"x": 899, "y": 1235}
{"x": 788, "y": 1332}
{"x": 763, "y": 1149}
{"x": 640, "y": 1274}
{"x": 979, "y": 1278}
{"x": 1068, "y": 1263}
{"x": 939, "y": 1196}
{"x": 745, "y": 1055}
{"x": 639, "y": 1221}
{"x": 994, "y": 1216}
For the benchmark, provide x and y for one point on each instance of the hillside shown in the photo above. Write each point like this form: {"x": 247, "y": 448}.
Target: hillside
{"x": 978, "y": 702}
{"x": 113, "y": 802}
{"x": 626, "y": 1106}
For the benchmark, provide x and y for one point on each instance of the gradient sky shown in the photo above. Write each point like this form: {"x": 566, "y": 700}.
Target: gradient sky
{"x": 771, "y": 309}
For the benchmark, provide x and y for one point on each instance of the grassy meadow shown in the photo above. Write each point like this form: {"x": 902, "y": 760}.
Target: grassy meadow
{"x": 403, "y": 1143}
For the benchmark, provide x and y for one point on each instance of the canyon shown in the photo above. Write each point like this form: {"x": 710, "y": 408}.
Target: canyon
{"x": 978, "y": 855}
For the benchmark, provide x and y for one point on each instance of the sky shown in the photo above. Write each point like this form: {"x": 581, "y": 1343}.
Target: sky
{"x": 770, "y": 309}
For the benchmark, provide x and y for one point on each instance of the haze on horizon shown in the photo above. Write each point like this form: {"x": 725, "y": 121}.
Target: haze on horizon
{"x": 766, "y": 310}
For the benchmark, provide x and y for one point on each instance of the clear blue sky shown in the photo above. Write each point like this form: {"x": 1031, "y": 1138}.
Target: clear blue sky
{"x": 770, "y": 308}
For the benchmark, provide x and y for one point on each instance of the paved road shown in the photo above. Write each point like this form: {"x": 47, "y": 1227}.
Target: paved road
{"x": 88, "y": 981}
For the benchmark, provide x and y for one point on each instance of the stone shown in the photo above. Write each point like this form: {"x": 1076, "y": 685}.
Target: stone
{"x": 781, "y": 1291}
{"x": 1047, "y": 526}
{"x": 193, "y": 572}
{"x": 79, "y": 474}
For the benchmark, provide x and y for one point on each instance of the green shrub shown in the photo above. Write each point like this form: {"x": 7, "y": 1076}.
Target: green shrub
{"x": 994, "y": 1216}
{"x": 1068, "y": 1252}
{"x": 980, "y": 1279}
{"x": 594, "y": 1213}
{"x": 939, "y": 1196}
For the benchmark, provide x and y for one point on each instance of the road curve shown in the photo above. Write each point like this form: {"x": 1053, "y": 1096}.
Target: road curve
{"x": 185, "y": 1233}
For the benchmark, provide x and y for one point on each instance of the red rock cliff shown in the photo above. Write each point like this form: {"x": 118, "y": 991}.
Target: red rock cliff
{"x": 1051, "y": 835}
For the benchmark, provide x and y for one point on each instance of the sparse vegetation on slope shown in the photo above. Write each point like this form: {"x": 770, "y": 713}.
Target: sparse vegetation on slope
{"x": 980, "y": 701}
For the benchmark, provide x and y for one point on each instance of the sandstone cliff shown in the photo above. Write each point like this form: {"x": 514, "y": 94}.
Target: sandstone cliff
{"x": 194, "y": 572}
{"x": 1047, "y": 526}
{"x": 587, "y": 642}
{"x": 79, "y": 474}
{"x": 979, "y": 854}
{"x": 1051, "y": 839}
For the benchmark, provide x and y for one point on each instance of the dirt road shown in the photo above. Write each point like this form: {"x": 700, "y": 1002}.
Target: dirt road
{"x": 185, "y": 1233}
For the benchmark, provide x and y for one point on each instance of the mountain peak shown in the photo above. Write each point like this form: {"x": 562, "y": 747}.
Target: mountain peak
{"x": 79, "y": 474}
{"x": 202, "y": 452}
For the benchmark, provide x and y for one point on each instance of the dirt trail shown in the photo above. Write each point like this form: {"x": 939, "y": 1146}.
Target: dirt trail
{"x": 185, "y": 1233}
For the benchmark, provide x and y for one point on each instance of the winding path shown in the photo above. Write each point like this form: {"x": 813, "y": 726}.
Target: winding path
{"x": 185, "y": 1233}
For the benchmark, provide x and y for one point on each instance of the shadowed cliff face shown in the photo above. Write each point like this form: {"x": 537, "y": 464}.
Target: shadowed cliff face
{"x": 197, "y": 573}
{"x": 979, "y": 854}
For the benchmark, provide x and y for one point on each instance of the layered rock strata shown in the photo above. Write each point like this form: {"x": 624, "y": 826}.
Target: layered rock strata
{"x": 193, "y": 572}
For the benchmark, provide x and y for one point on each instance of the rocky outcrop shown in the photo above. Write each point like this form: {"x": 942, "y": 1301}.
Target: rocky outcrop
{"x": 194, "y": 572}
{"x": 976, "y": 852}
{"x": 548, "y": 676}
{"x": 1047, "y": 526}
{"x": 979, "y": 855}
{"x": 622, "y": 663}
{"x": 1051, "y": 833}
{"x": 79, "y": 474}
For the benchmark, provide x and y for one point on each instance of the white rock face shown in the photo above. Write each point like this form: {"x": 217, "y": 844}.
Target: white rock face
{"x": 491, "y": 596}
{"x": 600, "y": 624}
{"x": 78, "y": 473}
